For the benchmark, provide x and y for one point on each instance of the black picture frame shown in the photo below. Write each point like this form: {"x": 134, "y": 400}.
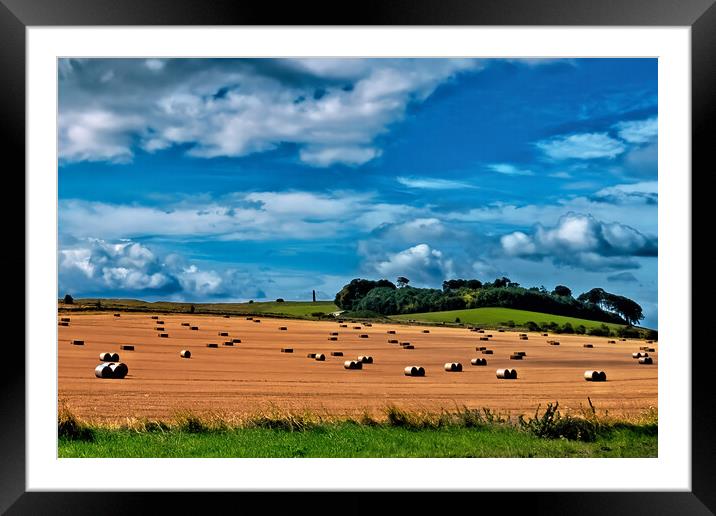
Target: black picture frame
{"x": 17, "y": 15}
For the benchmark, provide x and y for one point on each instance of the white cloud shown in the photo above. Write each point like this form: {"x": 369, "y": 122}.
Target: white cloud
{"x": 638, "y": 131}
{"x": 510, "y": 170}
{"x": 582, "y": 241}
{"x": 582, "y": 146}
{"x": 421, "y": 264}
{"x": 433, "y": 183}
{"x": 561, "y": 175}
{"x": 234, "y": 107}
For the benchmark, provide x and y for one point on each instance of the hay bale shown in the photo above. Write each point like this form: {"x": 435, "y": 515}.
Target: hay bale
{"x": 357, "y": 328}
{"x": 487, "y": 352}
{"x": 651, "y": 350}
{"x": 212, "y": 345}
{"x": 368, "y": 325}
{"x": 286, "y": 350}
{"x": 332, "y": 338}
{"x": 117, "y": 315}
{"x": 320, "y": 357}
{"x": 623, "y": 340}
{"x": 164, "y": 335}
{"x": 67, "y": 319}
{"x": 649, "y": 341}
{"x": 484, "y": 338}
{"x": 643, "y": 348}
{"x": 405, "y": 343}
{"x": 611, "y": 342}
{"x": 409, "y": 346}
{"x": 78, "y": 342}
{"x": 515, "y": 357}
{"x": 227, "y": 316}
{"x": 489, "y": 335}
{"x": 453, "y": 367}
{"x": 523, "y": 334}
{"x": 228, "y": 343}
{"x": 236, "y": 341}
{"x": 155, "y": 317}
{"x": 344, "y": 326}
{"x": 352, "y": 364}
{"x": 480, "y": 348}
{"x": 554, "y": 343}
{"x": 640, "y": 354}
{"x": 364, "y": 336}
{"x": 160, "y": 322}
{"x": 126, "y": 347}
{"x": 185, "y": 353}
{"x": 257, "y": 320}
{"x": 336, "y": 353}
{"x": 114, "y": 357}
{"x": 194, "y": 328}
{"x": 365, "y": 359}
{"x": 391, "y": 332}
{"x": 479, "y": 361}
{"x": 480, "y": 331}
{"x": 506, "y": 374}
{"x": 524, "y": 337}
{"x": 283, "y": 328}
{"x": 105, "y": 357}
{"x": 595, "y": 376}
{"x": 249, "y": 318}
{"x": 186, "y": 324}
{"x": 223, "y": 334}
{"x": 426, "y": 331}
{"x": 501, "y": 331}
{"x": 334, "y": 333}
{"x": 588, "y": 345}
{"x": 159, "y": 328}
{"x": 311, "y": 355}
{"x": 646, "y": 360}
{"x": 392, "y": 341}
{"x": 64, "y": 323}
{"x": 103, "y": 371}
{"x": 521, "y": 353}
{"x": 545, "y": 334}
{"x": 414, "y": 371}
{"x": 119, "y": 370}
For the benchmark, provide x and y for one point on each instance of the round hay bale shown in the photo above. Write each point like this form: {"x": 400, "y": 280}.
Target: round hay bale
{"x": 623, "y": 340}
{"x": 185, "y": 353}
{"x": 364, "y": 336}
{"x": 524, "y": 337}
{"x": 602, "y": 376}
{"x": 489, "y": 335}
{"x": 365, "y": 359}
{"x": 64, "y": 323}
{"x": 484, "y": 338}
{"x": 479, "y": 361}
{"x": 119, "y": 370}
{"x": 611, "y": 342}
{"x": 409, "y": 346}
{"x": 249, "y": 318}
{"x": 649, "y": 341}
{"x": 352, "y": 364}
{"x": 114, "y": 357}
{"x": 195, "y": 328}
{"x": 286, "y": 350}
{"x": 545, "y": 334}
{"x": 503, "y": 374}
{"x": 311, "y": 355}
{"x": 67, "y": 319}
{"x": 78, "y": 342}
{"x": 480, "y": 348}
{"x": 127, "y": 347}
{"x": 391, "y": 332}
{"x": 223, "y": 334}
{"x": 405, "y": 343}
{"x": 368, "y": 325}
{"x": 588, "y": 346}
{"x": 392, "y": 341}
{"x": 523, "y": 334}
{"x": 320, "y": 357}
{"x": 640, "y": 354}
{"x": 155, "y": 317}
{"x": 117, "y": 315}
{"x": 236, "y": 341}
{"x": 513, "y": 374}
{"x": 334, "y": 334}
{"x": 554, "y": 343}
{"x": 227, "y": 316}
{"x": 344, "y": 326}
{"x": 283, "y": 328}
{"x": 501, "y": 331}
{"x": 591, "y": 376}
{"x": 487, "y": 352}
{"x": 105, "y": 357}
{"x": 159, "y": 328}
{"x": 332, "y": 338}
{"x": 160, "y": 322}
{"x": 651, "y": 350}
{"x": 515, "y": 357}
{"x": 521, "y": 353}
{"x": 426, "y": 331}
{"x": 164, "y": 335}
{"x": 357, "y": 328}
{"x": 336, "y": 353}
{"x": 103, "y": 371}
{"x": 646, "y": 360}
{"x": 186, "y": 324}
{"x": 228, "y": 343}
{"x": 453, "y": 367}
{"x": 414, "y": 371}
{"x": 212, "y": 345}
{"x": 480, "y": 331}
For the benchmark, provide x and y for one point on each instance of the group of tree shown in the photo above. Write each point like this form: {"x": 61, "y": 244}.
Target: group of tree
{"x": 384, "y": 297}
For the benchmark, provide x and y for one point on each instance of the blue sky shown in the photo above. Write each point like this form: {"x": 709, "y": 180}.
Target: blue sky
{"x": 225, "y": 180}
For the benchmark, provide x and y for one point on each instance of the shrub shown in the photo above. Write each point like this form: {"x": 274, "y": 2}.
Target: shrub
{"x": 602, "y": 331}
{"x": 280, "y": 300}
{"x": 457, "y": 319}
{"x": 68, "y": 299}
{"x": 580, "y": 330}
{"x": 69, "y": 427}
{"x": 552, "y": 425}
{"x": 567, "y": 328}
{"x": 532, "y": 326}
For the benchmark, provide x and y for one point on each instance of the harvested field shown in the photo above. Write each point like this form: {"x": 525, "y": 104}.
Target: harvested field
{"x": 256, "y": 376}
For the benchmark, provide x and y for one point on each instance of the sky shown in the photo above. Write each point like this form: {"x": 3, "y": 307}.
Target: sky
{"x": 235, "y": 179}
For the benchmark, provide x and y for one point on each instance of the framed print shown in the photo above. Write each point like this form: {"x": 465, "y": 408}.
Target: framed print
{"x": 425, "y": 249}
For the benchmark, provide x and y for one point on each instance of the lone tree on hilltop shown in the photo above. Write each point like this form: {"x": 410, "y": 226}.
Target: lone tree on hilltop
{"x": 402, "y": 281}
{"x": 561, "y": 290}
{"x": 68, "y": 299}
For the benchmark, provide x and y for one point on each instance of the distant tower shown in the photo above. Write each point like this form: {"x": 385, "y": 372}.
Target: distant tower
{"x": 314, "y": 296}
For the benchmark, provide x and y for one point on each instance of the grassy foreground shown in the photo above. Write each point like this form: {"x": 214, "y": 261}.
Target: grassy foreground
{"x": 466, "y": 433}
{"x": 494, "y": 317}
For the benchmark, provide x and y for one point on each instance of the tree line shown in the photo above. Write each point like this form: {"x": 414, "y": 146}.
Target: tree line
{"x": 387, "y": 298}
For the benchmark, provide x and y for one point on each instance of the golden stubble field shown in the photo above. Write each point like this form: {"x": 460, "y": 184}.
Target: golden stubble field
{"x": 255, "y": 376}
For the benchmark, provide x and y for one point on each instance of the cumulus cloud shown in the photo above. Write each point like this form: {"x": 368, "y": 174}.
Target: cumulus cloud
{"x": 433, "y": 183}
{"x": 509, "y": 170}
{"x": 638, "y": 131}
{"x": 645, "y": 192}
{"x": 421, "y": 264}
{"x": 582, "y": 241}
{"x": 582, "y": 146}
{"x": 332, "y": 109}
